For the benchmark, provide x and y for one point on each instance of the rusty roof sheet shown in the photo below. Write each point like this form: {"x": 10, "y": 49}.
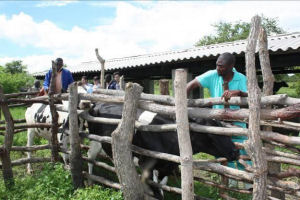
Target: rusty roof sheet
{"x": 283, "y": 42}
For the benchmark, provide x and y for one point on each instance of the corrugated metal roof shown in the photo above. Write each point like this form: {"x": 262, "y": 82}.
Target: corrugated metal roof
{"x": 283, "y": 42}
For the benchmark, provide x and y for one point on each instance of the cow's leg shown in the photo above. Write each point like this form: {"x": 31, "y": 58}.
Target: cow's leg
{"x": 95, "y": 148}
{"x": 63, "y": 142}
{"x": 30, "y": 138}
{"x": 162, "y": 182}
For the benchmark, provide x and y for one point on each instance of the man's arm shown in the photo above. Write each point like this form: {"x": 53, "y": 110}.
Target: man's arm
{"x": 233, "y": 93}
{"x": 192, "y": 85}
{"x": 47, "y": 81}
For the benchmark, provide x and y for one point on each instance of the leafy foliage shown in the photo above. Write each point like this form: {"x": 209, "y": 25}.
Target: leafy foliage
{"x": 15, "y": 67}
{"x": 13, "y": 77}
{"x": 231, "y": 31}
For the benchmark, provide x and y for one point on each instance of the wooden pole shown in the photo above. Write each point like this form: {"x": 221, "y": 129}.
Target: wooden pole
{"x": 131, "y": 185}
{"x": 268, "y": 80}
{"x": 54, "y": 115}
{"x": 184, "y": 140}
{"x": 254, "y": 144}
{"x": 75, "y": 156}
{"x": 102, "y": 62}
{"x": 8, "y": 140}
{"x": 122, "y": 82}
{"x": 164, "y": 86}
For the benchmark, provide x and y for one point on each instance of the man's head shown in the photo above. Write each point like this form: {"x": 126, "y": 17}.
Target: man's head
{"x": 107, "y": 78}
{"x": 225, "y": 63}
{"x": 59, "y": 62}
{"x": 84, "y": 80}
{"x": 96, "y": 80}
{"x": 117, "y": 76}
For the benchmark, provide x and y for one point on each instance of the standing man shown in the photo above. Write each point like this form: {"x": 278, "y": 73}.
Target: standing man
{"x": 115, "y": 84}
{"x": 224, "y": 82}
{"x": 63, "y": 78}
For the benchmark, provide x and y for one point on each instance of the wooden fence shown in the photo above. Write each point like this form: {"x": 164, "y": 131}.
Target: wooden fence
{"x": 179, "y": 107}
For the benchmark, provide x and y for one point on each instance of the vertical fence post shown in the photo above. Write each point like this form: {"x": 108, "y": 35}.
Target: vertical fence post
{"x": 8, "y": 140}
{"x": 254, "y": 144}
{"x": 121, "y": 145}
{"x": 102, "y": 62}
{"x": 268, "y": 80}
{"x": 75, "y": 156}
{"x": 54, "y": 115}
{"x": 164, "y": 86}
{"x": 185, "y": 146}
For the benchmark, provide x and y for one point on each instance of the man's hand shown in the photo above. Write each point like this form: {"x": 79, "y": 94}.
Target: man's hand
{"x": 230, "y": 93}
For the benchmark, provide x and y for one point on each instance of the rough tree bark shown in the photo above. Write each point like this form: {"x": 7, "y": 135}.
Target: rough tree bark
{"x": 121, "y": 146}
{"x": 54, "y": 115}
{"x": 8, "y": 140}
{"x": 254, "y": 144}
{"x": 164, "y": 86}
{"x": 268, "y": 80}
{"x": 184, "y": 140}
{"x": 75, "y": 156}
{"x": 102, "y": 62}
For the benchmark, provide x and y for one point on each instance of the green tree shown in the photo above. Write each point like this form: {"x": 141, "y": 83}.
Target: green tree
{"x": 231, "y": 31}
{"x": 15, "y": 67}
{"x": 13, "y": 77}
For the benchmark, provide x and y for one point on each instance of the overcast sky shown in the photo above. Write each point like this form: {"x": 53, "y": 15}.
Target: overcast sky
{"x": 39, "y": 31}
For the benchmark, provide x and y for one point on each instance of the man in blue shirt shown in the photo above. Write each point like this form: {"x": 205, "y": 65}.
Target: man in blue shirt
{"x": 224, "y": 82}
{"x": 115, "y": 84}
{"x": 63, "y": 78}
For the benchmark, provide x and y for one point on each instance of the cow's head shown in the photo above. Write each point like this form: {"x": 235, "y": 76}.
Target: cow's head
{"x": 216, "y": 145}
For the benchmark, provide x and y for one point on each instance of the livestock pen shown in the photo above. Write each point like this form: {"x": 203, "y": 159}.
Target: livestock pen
{"x": 182, "y": 108}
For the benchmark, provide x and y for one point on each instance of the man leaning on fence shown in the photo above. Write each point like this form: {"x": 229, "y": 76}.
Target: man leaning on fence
{"x": 224, "y": 82}
{"x": 63, "y": 78}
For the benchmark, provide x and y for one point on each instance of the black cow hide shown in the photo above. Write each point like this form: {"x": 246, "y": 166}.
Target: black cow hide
{"x": 167, "y": 142}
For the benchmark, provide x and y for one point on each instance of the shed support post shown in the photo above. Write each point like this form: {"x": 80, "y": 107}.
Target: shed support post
{"x": 148, "y": 86}
{"x": 164, "y": 87}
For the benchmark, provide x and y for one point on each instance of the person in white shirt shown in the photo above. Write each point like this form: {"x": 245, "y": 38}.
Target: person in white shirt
{"x": 96, "y": 83}
{"x": 86, "y": 85}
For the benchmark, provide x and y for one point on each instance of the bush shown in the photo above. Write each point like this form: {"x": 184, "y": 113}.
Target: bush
{"x": 13, "y": 82}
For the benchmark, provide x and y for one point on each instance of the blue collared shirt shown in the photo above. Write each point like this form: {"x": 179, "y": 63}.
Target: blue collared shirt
{"x": 66, "y": 79}
{"x": 214, "y": 83}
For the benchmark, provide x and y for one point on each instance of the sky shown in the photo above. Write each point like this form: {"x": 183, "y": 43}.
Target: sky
{"x": 37, "y": 32}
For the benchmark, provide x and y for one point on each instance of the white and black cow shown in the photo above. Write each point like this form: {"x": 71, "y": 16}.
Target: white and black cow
{"x": 217, "y": 145}
{"x": 40, "y": 113}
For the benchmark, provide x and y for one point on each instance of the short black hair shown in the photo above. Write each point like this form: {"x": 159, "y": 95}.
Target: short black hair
{"x": 96, "y": 78}
{"x": 228, "y": 58}
{"x": 58, "y": 59}
{"x": 84, "y": 77}
{"x": 107, "y": 78}
{"x": 116, "y": 73}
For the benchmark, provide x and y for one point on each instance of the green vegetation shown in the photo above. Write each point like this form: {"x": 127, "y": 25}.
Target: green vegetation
{"x": 231, "y": 31}
{"x": 13, "y": 77}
